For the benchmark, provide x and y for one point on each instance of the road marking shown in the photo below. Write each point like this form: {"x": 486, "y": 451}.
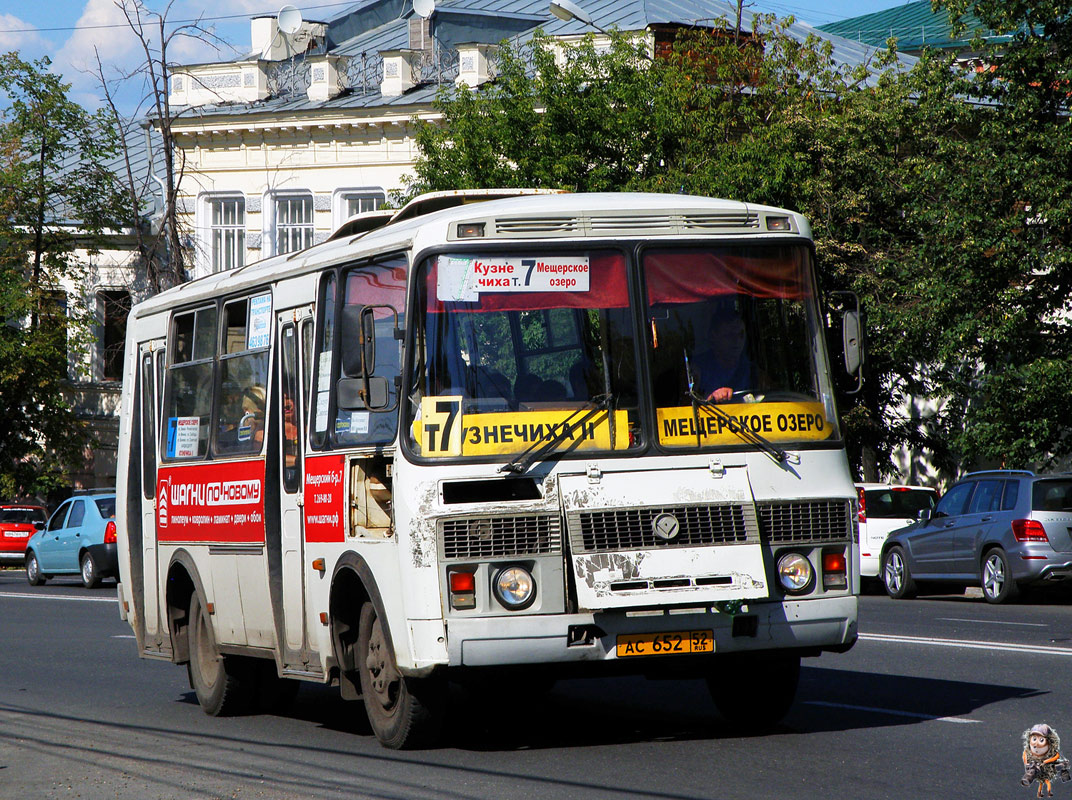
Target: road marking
{"x": 26, "y": 596}
{"x": 967, "y": 644}
{"x": 123, "y": 636}
{"x": 993, "y": 622}
{"x": 912, "y": 714}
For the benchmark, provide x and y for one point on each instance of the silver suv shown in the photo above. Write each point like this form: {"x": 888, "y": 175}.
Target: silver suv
{"x": 1001, "y": 529}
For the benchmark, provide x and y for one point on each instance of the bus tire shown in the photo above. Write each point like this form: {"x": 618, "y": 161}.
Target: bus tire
{"x": 404, "y": 713}
{"x": 754, "y": 692}
{"x": 224, "y": 685}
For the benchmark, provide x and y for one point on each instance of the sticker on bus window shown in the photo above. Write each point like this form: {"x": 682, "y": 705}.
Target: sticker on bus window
{"x": 260, "y": 322}
{"x": 777, "y": 422}
{"x": 465, "y": 279}
{"x": 440, "y": 426}
{"x": 183, "y": 434}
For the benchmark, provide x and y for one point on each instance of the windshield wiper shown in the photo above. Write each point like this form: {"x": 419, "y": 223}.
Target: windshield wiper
{"x": 599, "y": 403}
{"x": 743, "y": 432}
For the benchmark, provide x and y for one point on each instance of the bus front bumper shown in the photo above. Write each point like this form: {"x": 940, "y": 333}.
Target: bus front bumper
{"x": 815, "y": 625}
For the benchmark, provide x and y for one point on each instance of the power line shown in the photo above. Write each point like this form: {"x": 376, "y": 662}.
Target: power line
{"x": 168, "y": 22}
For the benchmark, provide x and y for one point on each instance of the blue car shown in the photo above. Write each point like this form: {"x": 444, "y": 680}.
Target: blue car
{"x": 78, "y": 539}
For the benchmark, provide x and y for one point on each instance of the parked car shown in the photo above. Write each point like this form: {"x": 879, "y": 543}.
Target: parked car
{"x": 885, "y": 507}
{"x": 78, "y": 539}
{"x": 17, "y": 524}
{"x": 1002, "y": 530}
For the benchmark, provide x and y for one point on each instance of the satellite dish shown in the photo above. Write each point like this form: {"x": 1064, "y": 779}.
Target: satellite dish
{"x": 423, "y": 8}
{"x": 289, "y": 19}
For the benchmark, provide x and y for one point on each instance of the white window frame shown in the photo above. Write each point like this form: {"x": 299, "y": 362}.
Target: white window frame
{"x": 270, "y": 242}
{"x": 207, "y": 260}
{"x": 341, "y": 197}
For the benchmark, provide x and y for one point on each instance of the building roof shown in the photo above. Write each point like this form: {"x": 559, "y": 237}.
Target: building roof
{"x": 363, "y": 31}
{"x": 143, "y": 146}
{"x": 914, "y": 25}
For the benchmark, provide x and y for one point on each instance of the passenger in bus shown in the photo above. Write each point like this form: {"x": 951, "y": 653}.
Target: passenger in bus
{"x": 253, "y": 414}
{"x": 724, "y": 366}
{"x": 242, "y": 422}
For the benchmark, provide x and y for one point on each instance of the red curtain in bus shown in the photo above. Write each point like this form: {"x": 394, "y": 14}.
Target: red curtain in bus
{"x": 695, "y": 275}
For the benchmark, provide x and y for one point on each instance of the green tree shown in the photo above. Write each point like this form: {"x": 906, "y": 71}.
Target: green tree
{"x": 57, "y": 196}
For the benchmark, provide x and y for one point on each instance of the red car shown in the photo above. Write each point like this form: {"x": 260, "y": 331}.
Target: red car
{"x": 17, "y": 524}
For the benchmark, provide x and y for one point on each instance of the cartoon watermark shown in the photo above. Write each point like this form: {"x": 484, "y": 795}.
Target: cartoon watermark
{"x": 1043, "y": 761}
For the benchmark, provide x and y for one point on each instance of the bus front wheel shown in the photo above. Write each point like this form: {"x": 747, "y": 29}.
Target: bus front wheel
{"x": 754, "y": 692}
{"x": 224, "y": 685}
{"x": 403, "y": 712}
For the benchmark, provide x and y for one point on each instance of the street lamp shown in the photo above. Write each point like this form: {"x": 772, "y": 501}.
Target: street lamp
{"x": 566, "y": 11}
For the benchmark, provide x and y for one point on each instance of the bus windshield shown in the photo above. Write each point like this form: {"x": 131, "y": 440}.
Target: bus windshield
{"x": 736, "y": 345}
{"x": 512, "y": 350}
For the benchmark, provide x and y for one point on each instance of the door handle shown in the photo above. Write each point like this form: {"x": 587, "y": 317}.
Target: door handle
{"x": 987, "y": 519}
{"x": 950, "y": 524}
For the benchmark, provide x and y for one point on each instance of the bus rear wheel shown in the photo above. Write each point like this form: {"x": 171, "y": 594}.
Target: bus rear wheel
{"x": 404, "y": 713}
{"x": 224, "y": 685}
{"x": 754, "y": 692}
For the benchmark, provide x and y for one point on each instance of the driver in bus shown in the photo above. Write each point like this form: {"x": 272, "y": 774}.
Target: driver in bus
{"x": 723, "y": 367}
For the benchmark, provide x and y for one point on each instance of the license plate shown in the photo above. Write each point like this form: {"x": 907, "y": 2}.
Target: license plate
{"x": 15, "y": 534}
{"x": 665, "y": 644}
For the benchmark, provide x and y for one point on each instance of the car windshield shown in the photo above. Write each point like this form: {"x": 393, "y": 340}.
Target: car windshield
{"x": 106, "y": 507}
{"x": 510, "y": 349}
{"x": 896, "y": 503}
{"x": 22, "y": 516}
{"x": 1052, "y": 495}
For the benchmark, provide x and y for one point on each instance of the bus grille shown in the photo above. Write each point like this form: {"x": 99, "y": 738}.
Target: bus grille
{"x": 631, "y": 528}
{"x": 669, "y": 223}
{"x": 804, "y": 522}
{"x": 495, "y": 537}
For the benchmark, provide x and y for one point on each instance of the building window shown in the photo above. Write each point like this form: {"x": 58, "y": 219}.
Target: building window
{"x": 113, "y": 307}
{"x": 227, "y": 232}
{"x": 349, "y": 202}
{"x": 293, "y": 223}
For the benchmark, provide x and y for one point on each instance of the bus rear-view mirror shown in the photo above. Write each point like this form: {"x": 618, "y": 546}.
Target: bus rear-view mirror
{"x": 366, "y": 393}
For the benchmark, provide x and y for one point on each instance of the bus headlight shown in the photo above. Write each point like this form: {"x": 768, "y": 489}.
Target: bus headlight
{"x": 514, "y": 588}
{"x": 794, "y": 572}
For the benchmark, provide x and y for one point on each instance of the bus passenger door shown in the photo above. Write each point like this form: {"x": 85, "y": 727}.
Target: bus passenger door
{"x": 150, "y": 374}
{"x": 295, "y": 644}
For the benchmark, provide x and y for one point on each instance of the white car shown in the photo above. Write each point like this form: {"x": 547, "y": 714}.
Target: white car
{"x": 885, "y": 507}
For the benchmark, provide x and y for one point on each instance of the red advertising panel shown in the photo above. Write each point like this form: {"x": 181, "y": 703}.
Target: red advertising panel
{"x": 324, "y": 507}
{"x": 211, "y": 502}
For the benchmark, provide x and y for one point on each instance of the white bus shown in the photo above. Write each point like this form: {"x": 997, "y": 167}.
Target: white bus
{"x": 492, "y": 442}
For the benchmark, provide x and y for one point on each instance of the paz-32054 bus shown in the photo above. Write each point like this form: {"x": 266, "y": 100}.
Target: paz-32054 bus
{"x": 552, "y": 434}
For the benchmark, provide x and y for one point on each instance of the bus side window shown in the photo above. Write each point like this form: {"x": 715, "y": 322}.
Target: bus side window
{"x": 322, "y": 361}
{"x": 245, "y": 338}
{"x": 188, "y": 403}
{"x": 382, "y": 287}
{"x": 148, "y": 426}
{"x": 289, "y": 385}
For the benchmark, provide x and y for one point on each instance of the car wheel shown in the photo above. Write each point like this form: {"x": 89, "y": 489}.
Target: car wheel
{"x": 753, "y": 693}
{"x": 224, "y": 685}
{"x": 996, "y": 578}
{"x": 90, "y": 575}
{"x": 403, "y": 712}
{"x": 33, "y": 570}
{"x": 896, "y": 576}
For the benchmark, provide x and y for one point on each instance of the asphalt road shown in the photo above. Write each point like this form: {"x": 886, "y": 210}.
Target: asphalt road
{"x": 930, "y": 703}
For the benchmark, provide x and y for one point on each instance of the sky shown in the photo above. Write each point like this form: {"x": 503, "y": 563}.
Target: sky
{"x": 69, "y": 32}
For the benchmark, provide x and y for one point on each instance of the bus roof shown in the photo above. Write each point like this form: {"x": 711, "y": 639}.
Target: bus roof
{"x": 531, "y": 216}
